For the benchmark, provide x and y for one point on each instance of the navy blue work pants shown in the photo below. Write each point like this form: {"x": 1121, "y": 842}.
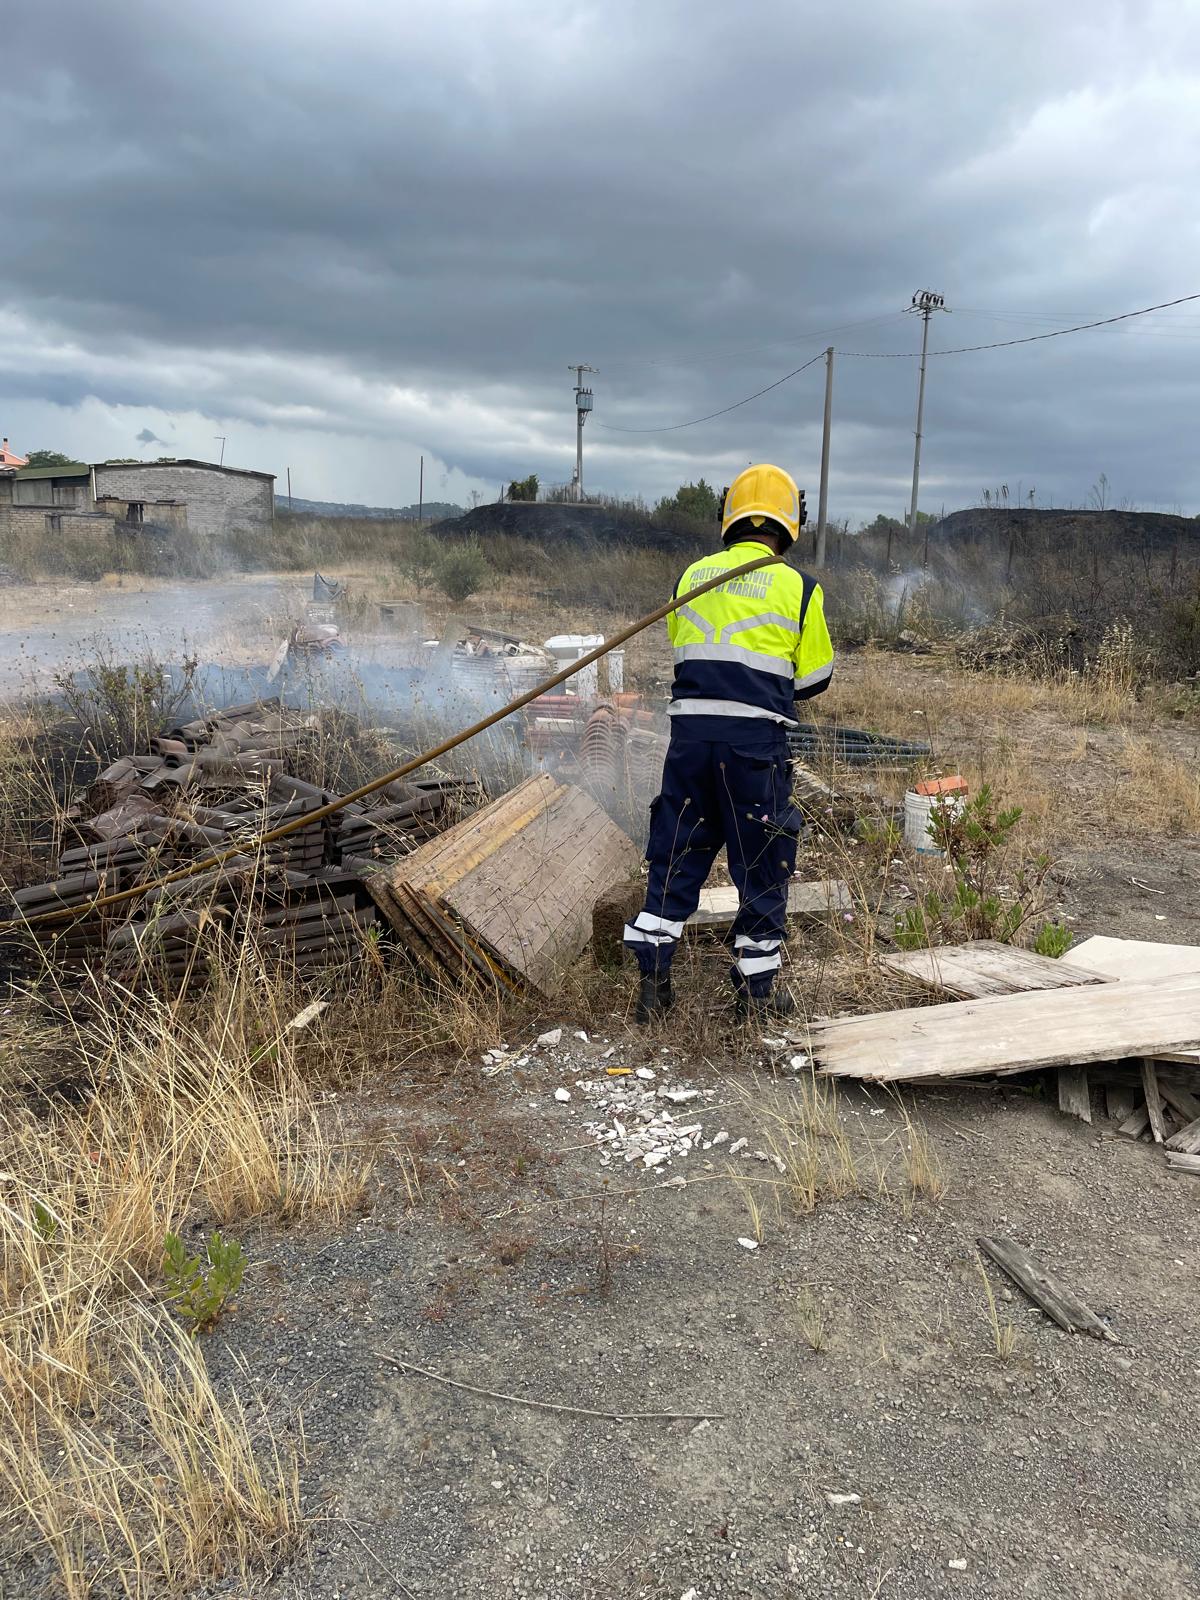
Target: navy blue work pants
{"x": 733, "y": 790}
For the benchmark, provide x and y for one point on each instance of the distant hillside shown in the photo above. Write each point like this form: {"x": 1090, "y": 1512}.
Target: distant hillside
{"x": 432, "y": 511}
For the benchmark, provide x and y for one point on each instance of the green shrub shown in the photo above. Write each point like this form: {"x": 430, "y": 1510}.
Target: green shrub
{"x": 201, "y": 1290}
{"x": 1053, "y": 940}
{"x": 462, "y": 569}
{"x": 972, "y": 837}
{"x": 419, "y": 558}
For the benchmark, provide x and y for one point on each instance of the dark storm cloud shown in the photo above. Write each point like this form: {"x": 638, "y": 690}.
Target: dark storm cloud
{"x": 403, "y": 223}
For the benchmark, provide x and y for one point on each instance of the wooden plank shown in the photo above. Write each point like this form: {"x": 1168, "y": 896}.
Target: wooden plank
{"x": 1133, "y": 958}
{"x": 1136, "y": 1123}
{"x": 1181, "y": 1163}
{"x": 1139, "y": 958}
{"x": 1153, "y": 1100}
{"x": 1059, "y": 1303}
{"x": 1187, "y": 1140}
{"x": 719, "y": 904}
{"x": 1178, "y": 1098}
{"x": 1074, "y": 1096}
{"x": 1121, "y": 1100}
{"x": 984, "y": 966}
{"x": 513, "y": 886}
{"x": 1014, "y": 1032}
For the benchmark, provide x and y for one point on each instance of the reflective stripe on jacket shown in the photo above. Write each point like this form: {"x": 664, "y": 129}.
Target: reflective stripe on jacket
{"x": 751, "y": 647}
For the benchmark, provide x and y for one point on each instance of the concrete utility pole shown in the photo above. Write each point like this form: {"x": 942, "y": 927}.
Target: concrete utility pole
{"x": 823, "y": 503}
{"x": 421, "y": 495}
{"x": 221, "y": 437}
{"x": 583, "y": 404}
{"x": 926, "y": 302}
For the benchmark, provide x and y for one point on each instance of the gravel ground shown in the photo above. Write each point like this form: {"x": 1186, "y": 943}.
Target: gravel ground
{"x": 1070, "y": 1469}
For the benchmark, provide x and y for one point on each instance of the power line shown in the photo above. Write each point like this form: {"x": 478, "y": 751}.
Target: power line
{"x": 693, "y": 360}
{"x": 675, "y": 426}
{"x": 1004, "y": 344}
{"x": 914, "y": 355}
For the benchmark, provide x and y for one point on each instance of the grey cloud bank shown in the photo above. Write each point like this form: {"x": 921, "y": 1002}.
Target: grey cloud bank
{"x": 343, "y": 239}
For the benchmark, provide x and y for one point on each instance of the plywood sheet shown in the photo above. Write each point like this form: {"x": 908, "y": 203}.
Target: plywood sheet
{"x": 1133, "y": 958}
{"x": 1015, "y": 1032}
{"x": 984, "y": 966}
{"x": 1137, "y": 958}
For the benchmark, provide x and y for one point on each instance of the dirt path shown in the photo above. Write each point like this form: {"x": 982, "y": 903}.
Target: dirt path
{"x": 45, "y": 627}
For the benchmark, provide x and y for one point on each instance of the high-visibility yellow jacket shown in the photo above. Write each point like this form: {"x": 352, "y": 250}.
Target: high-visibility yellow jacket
{"x": 751, "y": 647}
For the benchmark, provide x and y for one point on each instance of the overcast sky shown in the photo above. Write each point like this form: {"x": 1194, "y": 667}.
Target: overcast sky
{"x": 341, "y": 236}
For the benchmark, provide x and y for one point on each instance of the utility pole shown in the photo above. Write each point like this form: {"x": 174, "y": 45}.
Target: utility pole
{"x": 289, "y": 472}
{"x": 221, "y": 437}
{"x": 823, "y": 504}
{"x": 925, "y": 302}
{"x": 583, "y": 404}
{"x": 421, "y": 495}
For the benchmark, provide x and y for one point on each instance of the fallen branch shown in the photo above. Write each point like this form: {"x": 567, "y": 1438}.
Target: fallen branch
{"x": 551, "y": 1405}
{"x": 1059, "y": 1303}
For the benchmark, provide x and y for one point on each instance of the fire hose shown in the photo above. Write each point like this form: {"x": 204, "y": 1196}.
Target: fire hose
{"x": 308, "y": 818}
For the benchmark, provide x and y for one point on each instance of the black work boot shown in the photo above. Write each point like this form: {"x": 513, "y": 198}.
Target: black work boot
{"x": 655, "y": 998}
{"x": 763, "y": 1007}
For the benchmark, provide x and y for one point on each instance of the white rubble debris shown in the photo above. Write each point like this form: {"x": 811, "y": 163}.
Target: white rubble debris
{"x": 677, "y": 1097}
{"x": 957, "y": 1566}
{"x": 634, "y": 1125}
{"x": 843, "y": 1499}
{"x": 500, "y": 1058}
{"x": 562, "y": 1095}
{"x": 553, "y": 1037}
{"x": 748, "y": 1244}
{"x": 738, "y": 1144}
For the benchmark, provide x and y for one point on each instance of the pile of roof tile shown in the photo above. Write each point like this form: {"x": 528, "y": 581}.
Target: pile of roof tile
{"x": 213, "y": 785}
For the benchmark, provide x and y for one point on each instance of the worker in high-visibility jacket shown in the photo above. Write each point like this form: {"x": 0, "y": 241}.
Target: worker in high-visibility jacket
{"x": 745, "y": 652}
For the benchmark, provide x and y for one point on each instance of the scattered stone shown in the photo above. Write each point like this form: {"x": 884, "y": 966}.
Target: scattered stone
{"x": 842, "y": 1499}
{"x": 738, "y": 1144}
{"x": 798, "y": 1063}
{"x": 677, "y": 1097}
{"x": 646, "y": 1072}
{"x": 562, "y": 1094}
{"x": 957, "y": 1566}
{"x": 748, "y": 1244}
{"x": 552, "y": 1038}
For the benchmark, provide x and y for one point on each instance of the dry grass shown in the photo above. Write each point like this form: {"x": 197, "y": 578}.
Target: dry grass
{"x": 1005, "y": 1333}
{"x": 813, "y": 1320}
{"x": 186, "y": 1115}
{"x": 810, "y": 1145}
{"x": 1156, "y": 791}
{"x": 923, "y": 1170}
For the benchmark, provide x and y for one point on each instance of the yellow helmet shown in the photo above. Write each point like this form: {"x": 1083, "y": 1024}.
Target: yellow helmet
{"x": 764, "y": 494}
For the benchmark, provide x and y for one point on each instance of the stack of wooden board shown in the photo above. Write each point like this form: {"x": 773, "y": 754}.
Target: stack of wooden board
{"x": 1131, "y": 1005}
{"x": 508, "y": 893}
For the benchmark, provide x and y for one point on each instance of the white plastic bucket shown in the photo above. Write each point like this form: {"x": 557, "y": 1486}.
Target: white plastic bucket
{"x": 919, "y": 813}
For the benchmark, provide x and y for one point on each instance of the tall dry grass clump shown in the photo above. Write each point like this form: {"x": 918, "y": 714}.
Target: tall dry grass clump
{"x": 119, "y": 1459}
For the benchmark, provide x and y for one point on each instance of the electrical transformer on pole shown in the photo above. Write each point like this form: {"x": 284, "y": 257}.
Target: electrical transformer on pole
{"x": 583, "y": 404}
{"x": 925, "y": 302}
